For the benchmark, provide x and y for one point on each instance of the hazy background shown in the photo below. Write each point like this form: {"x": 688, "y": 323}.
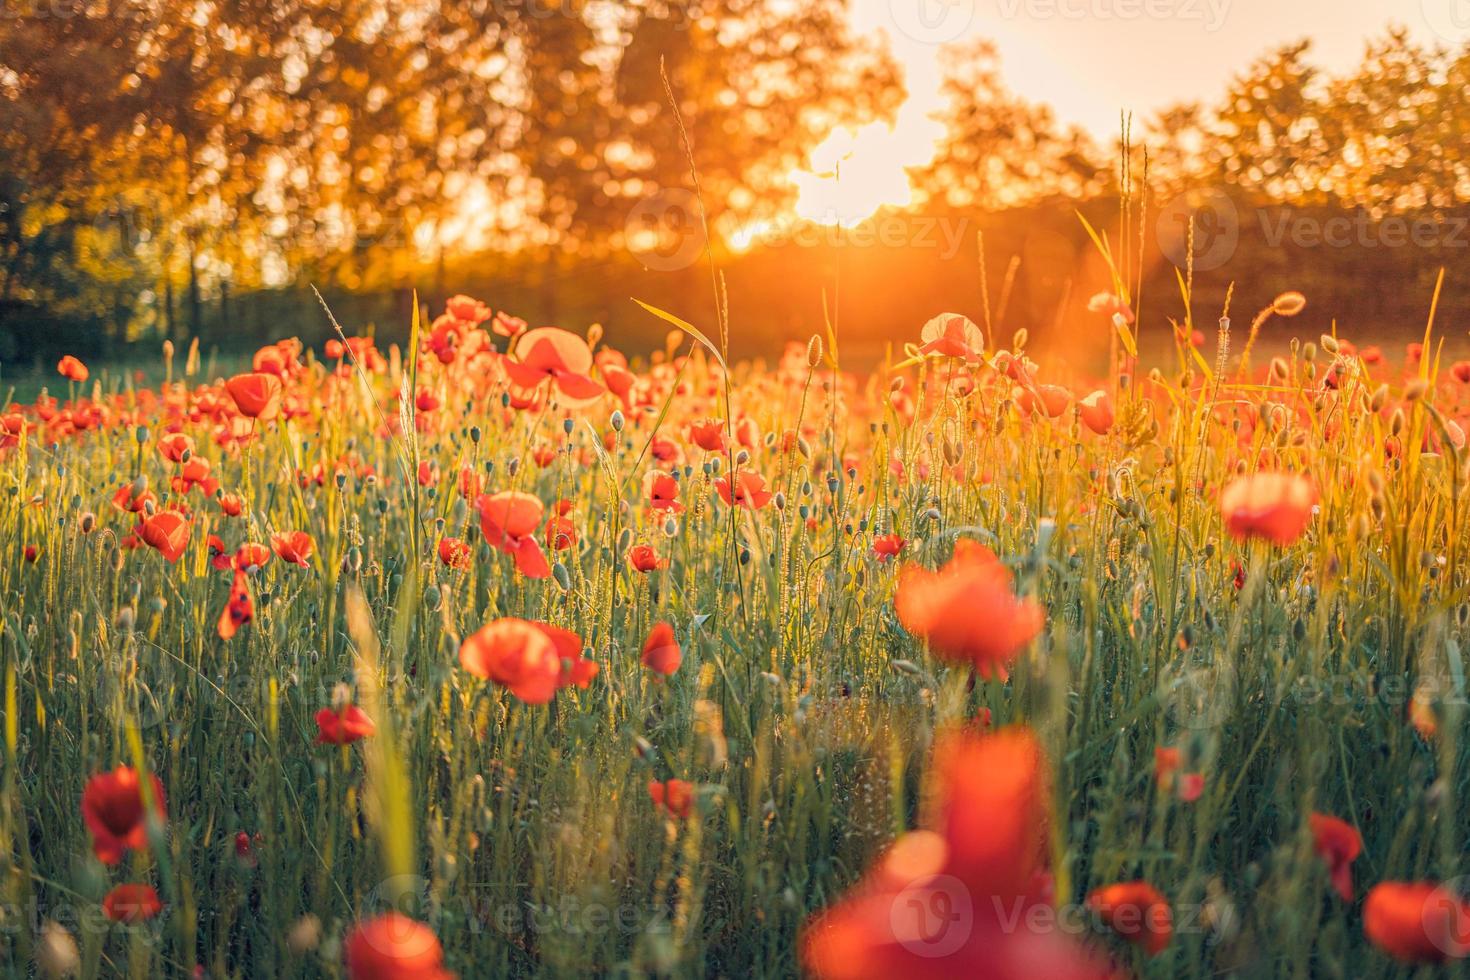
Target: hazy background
{"x": 188, "y": 169}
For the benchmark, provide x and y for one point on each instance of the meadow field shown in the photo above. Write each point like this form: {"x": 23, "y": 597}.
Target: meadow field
{"x": 504, "y": 654}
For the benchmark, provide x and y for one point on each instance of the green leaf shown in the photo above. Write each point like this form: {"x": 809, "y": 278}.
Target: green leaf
{"x": 688, "y": 328}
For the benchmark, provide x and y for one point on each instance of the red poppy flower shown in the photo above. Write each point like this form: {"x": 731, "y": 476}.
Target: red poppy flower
{"x": 709, "y": 435}
{"x": 556, "y": 355}
{"x": 72, "y": 369}
{"x": 661, "y": 653}
{"x": 1273, "y": 506}
{"x": 30, "y": 552}
{"x": 455, "y": 553}
{"x": 1186, "y": 785}
{"x": 394, "y": 947}
{"x": 343, "y": 726}
{"x": 239, "y": 610}
{"x": 231, "y": 505}
{"x": 509, "y": 520}
{"x": 113, "y": 810}
{"x": 1096, "y": 411}
{"x": 952, "y": 335}
{"x": 195, "y": 473}
{"x": 1460, "y": 371}
{"x": 967, "y": 610}
{"x": 1338, "y": 843}
{"x": 561, "y": 533}
{"x": 1417, "y": 922}
{"x": 294, "y": 547}
{"x": 663, "y": 493}
{"x": 257, "y": 395}
{"x": 886, "y": 546}
{"x": 1136, "y": 911}
{"x": 750, "y": 490}
{"x": 167, "y": 531}
{"x": 131, "y": 903}
{"x": 250, "y": 556}
{"x": 1110, "y": 306}
{"x": 516, "y": 654}
{"x": 955, "y": 901}
{"x": 673, "y": 796}
{"x": 644, "y": 559}
{"x": 578, "y": 672}
{"x": 174, "y": 446}
{"x": 134, "y": 498}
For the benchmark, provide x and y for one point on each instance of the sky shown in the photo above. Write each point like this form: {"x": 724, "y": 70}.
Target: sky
{"x": 1091, "y": 59}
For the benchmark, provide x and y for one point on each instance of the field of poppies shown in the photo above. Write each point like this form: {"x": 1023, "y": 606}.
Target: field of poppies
{"x": 503, "y": 653}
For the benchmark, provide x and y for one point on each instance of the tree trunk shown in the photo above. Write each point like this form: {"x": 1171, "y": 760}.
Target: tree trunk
{"x": 196, "y": 302}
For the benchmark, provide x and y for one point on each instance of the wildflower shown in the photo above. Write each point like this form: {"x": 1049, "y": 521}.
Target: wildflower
{"x": 661, "y": 653}
{"x": 31, "y": 553}
{"x": 394, "y": 947}
{"x": 455, "y": 553}
{"x": 518, "y": 655}
{"x": 673, "y": 796}
{"x": 578, "y": 671}
{"x": 257, "y": 395}
{"x": 952, "y": 335}
{"x": 1096, "y": 412}
{"x": 554, "y": 355}
{"x": 1417, "y": 922}
{"x": 1187, "y": 786}
{"x": 174, "y": 446}
{"x": 886, "y": 546}
{"x": 195, "y": 473}
{"x": 167, "y": 532}
{"x": 561, "y": 533}
{"x": 294, "y": 547}
{"x": 343, "y": 726}
{"x": 663, "y": 493}
{"x": 114, "y": 812}
{"x": 467, "y": 309}
{"x": 1136, "y": 911}
{"x": 508, "y": 520}
{"x": 1460, "y": 371}
{"x": 1273, "y": 506}
{"x": 131, "y": 903}
{"x": 982, "y": 867}
{"x": 239, "y": 610}
{"x": 250, "y": 556}
{"x": 1110, "y": 305}
{"x": 644, "y": 559}
{"x": 750, "y": 490}
{"x": 134, "y": 498}
{"x": 967, "y": 610}
{"x": 72, "y": 369}
{"x": 231, "y": 505}
{"x": 1339, "y": 844}
{"x": 709, "y": 435}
